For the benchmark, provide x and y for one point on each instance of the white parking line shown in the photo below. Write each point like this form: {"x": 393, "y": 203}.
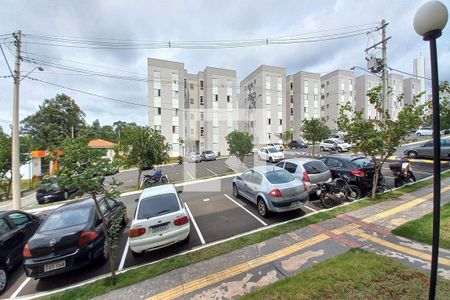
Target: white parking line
{"x": 124, "y": 255}
{"x": 214, "y": 173}
{"x": 253, "y": 215}
{"x": 19, "y": 289}
{"x": 310, "y": 208}
{"x": 187, "y": 172}
{"x": 390, "y": 177}
{"x": 195, "y": 224}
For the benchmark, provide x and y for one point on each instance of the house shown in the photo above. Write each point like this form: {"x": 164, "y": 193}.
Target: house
{"x": 102, "y": 144}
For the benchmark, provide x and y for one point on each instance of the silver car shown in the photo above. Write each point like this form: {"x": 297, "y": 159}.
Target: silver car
{"x": 194, "y": 157}
{"x": 208, "y": 155}
{"x": 425, "y": 150}
{"x": 310, "y": 171}
{"x": 271, "y": 188}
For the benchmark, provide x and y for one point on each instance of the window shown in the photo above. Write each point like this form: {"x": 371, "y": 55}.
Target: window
{"x": 175, "y": 112}
{"x": 279, "y": 83}
{"x": 306, "y": 87}
{"x": 191, "y": 100}
{"x": 4, "y": 227}
{"x": 305, "y": 109}
{"x": 174, "y": 94}
{"x": 191, "y": 86}
{"x": 292, "y": 111}
{"x": 202, "y": 131}
{"x": 192, "y": 131}
{"x": 279, "y": 176}
{"x": 292, "y": 99}
{"x": 216, "y": 97}
{"x": 66, "y": 218}
{"x": 290, "y": 167}
{"x": 292, "y": 86}
{"x": 157, "y": 92}
{"x": 202, "y": 116}
{"x": 158, "y": 111}
{"x": 192, "y": 116}
{"x": 228, "y": 98}
{"x": 281, "y": 121}
{"x": 268, "y": 82}
{"x": 280, "y": 98}
{"x": 201, "y": 100}
{"x": 174, "y": 129}
{"x": 162, "y": 204}
{"x": 268, "y": 99}
{"x": 268, "y": 121}
{"x": 175, "y": 78}
{"x": 201, "y": 84}
{"x": 334, "y": 163}
{"x": 255, "y": 178}
{"x": 157, "y": 75}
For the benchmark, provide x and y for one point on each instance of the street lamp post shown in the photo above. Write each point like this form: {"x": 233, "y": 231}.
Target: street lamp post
{"x": 429, "y": 22}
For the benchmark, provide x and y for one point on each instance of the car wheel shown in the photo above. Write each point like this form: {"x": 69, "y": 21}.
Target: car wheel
{"x": 413, "y": 154}
{"x": 136, "y": 254}
{"x": 418, "y": 134}
{"x": 3, "y": 279}
{"x": 66, "y": 195}
{"x": 104, "y": 255}
{"x": 262, "y": 208}
{"x": 165, "y": 180}
{"x": 339, "y": 149}
{"x": 270, "y": 159}
{"x": 398, "y": 182}
{"x": 322, "y": 148}
{"x": 235, "y": 191}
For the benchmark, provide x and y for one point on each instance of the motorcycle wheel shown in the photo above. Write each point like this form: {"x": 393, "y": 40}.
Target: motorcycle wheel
{"x": 165, "y": 180}
{"x": 412, "y": 178}
{"x": 354, "y": 193}
{"x": 326, "y": 199}
{"x": 398, "y": 182}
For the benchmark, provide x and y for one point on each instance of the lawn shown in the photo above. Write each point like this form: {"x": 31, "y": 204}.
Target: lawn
{"x": 421, "y": 229}
{"x": 355, "y": 274}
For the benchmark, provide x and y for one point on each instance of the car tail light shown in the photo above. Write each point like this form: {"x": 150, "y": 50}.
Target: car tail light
{"x": 26, "y": 251}
{"x": 181, "y": 221}
{"x": 358, "y": 173}
{"x": 305, "y": 180}
{"x": 86, "y": 237}
{"x": 275, "y": 193}
{"x": 135, "y": 232}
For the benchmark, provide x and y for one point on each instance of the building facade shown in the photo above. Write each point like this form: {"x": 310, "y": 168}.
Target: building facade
{"x": 363, "y": 84}
{"x": 412, "y": 88}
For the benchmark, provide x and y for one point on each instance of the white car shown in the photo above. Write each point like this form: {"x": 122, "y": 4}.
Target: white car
{"x": 270, "y": 154}
{"x": 279, "y": 147}
{"x": 424, "y": 131}
{"x": 160, "y": 220}
{"x": 341, "y": 146}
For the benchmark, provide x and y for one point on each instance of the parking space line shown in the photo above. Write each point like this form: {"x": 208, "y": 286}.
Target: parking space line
{"x": 187, "y": 172}
{"x": 19, "y": 289}
{"x": 253, "y": 215}
{"x": 214, "y": 173}
{"x": 195, "y": 224}
{"x": 309, "y": 208}
{"x": 124, "y": 255}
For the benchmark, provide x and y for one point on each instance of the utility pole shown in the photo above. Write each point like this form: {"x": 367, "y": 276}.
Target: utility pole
{"x": 384, "y": 59}
{"x": 73, "y": 134}
{"x": 15, "y": 127}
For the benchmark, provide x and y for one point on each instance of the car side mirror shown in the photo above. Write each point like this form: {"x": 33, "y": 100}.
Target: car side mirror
{"x": 239, "y": 178}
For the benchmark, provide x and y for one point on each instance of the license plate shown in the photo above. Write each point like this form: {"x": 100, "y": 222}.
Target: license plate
{"x": 295, "y": 204}
{"x": 160, "y": 228}
{"x": 55, "y": 266}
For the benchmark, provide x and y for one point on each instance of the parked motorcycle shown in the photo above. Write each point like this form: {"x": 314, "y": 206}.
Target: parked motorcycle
{"x": 337, "y": 191}
{"x": 402, "y": 172}
{"x": 156, "y": 177}
{"x": 180, "y": 160}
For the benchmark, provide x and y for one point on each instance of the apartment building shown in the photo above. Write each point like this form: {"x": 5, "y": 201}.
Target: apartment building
{"x": 289, "y": 105}
{"x": 419, "y": 74}
{"x": 363, "y": 84}
{"x": 263, "y": 103}
{"x": 395, "y": 99}
{"x": 411, "y": 88}
{"x": 337, "y": 88}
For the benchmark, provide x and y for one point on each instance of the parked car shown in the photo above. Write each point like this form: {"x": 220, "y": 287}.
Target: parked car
{"x": 194, "y": 157}
{"x": 16, "y": 227}
{"x": 208, "y": 155}
{"x": 271, "y": 188}
{"x": 49, "y": 190}
{"x": 297, "y": 144}
{"x": 277, "y": 146}
{"x": 310, "y": 171}
{"x": 71, "y": 237}
{"x": 270, "y": 154}
{"x": 424, "y": 131}
{"x": 358, "y": 169}
{"x": 445, "y": 131}
{"x": 160, "y": 220}
{"x": 341, "y": 146}
{"x": 425, "y": 150}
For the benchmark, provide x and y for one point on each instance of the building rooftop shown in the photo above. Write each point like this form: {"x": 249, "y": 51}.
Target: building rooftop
{"x": 99, "y": 143}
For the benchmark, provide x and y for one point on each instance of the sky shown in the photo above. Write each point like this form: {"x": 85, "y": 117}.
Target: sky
{"x": 210, "y": 20}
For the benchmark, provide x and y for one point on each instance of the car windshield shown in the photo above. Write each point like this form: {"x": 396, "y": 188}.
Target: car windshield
{"x": 209, "y": 152}
{"x": 66, "y": 218}
{"x": 272, "y": 150}
{"x": 339, "y": 141}
{"x": 315, "y": 167}
{"x": 157, "y": 205}
{"x": 279, "y": 176}
{"x": 363, "y": 162}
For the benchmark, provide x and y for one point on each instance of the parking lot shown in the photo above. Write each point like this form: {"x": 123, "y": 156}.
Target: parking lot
{"x": 215, "y": 215}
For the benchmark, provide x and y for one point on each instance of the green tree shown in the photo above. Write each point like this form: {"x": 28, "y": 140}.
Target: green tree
{"x": 53, "y": 122}
{"x": 314, "y": 131}
{"x": 142, "y": 147}
{"x": 239, "y": 143}
{"x": 286, "y": 136}
{"x": 84, "y": 167}
{"x": 97, "y": 131}
{"x": 444, "y": 90}
{"x": 379, "y": 138}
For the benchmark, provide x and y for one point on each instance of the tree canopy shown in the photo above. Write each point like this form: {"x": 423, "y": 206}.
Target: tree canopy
{"x": 239, "y": 143}
{"x": 314, "y": 131}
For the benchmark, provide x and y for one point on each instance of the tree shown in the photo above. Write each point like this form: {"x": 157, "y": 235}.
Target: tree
{"x": 97, "y": 131}
{"x": 84, "y": 167}
{"x": 314, "y": 131}
{"x": 142, "y": 147}
{"x": 444, "y": 104}
{"x": 53, "y": 122}
{"x": 379, "y": 138}
{"x": 239, "y": 143}
{"x": 286, "y": 136}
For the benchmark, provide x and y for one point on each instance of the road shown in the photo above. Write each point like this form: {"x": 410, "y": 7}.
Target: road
{"x": 217, "y": 214}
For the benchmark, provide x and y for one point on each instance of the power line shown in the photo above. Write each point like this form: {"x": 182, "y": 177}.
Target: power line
{"x": 4, "y": 56}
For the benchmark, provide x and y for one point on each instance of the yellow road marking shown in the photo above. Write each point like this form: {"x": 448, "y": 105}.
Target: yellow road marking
{"x": 403, "y": 249}
{"x": 428, "y": 161}
{"x": 238, "y": 269}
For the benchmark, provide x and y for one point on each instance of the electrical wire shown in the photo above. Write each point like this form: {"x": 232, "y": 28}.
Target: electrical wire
{"x": 6, "y": 60}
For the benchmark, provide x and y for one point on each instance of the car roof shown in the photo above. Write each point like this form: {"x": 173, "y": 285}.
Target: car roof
{"x": 345, "y": 157}
{"x": 158, "y": 190}
{"x": 265, "y": 169}
{"x": 79, "y": 203}
{"x": 300, "y": 160}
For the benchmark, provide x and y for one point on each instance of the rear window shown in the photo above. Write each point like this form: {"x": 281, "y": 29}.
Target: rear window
{"x": 279, "y": 176}
{"x": 272, "y": 150}
{"x": 315, "y": 167}
{"x": 66, "y": 218}
{"x": 363, "y": 162}
{"x": 157, "y": 205}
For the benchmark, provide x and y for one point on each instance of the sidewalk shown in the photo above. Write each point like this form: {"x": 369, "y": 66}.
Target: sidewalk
{"x": 255, "y": 266}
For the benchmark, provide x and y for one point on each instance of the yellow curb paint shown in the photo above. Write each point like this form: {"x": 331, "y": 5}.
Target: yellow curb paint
{"x": 237, "y": 269}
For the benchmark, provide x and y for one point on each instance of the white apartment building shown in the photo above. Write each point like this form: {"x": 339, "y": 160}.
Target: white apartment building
{"x": 411, "y": 88}
{"x": 395, "y": 101}
{"x": 419, "y": 74}
{"x": 363, "y": 84}
{"x": 263, "y": 104}
{"x": 337, "y": 88}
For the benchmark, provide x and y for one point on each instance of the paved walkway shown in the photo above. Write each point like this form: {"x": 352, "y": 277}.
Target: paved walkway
{"x": 255, "y": 266}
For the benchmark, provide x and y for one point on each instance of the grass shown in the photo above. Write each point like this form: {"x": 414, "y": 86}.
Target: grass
{"x": 422, "y": 229}
{"x": 355, "y": 274}
{"x": 140, "y": 274}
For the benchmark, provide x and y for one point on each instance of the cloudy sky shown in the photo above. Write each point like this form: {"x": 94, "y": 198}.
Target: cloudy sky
{"x": 192, "y": 21}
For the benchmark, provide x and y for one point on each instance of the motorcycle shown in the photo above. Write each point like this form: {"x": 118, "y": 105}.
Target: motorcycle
{"x": 180, "y": 160}
{"x": 156, "y": 177}
{"x": 402, "y": 172}
{"x": 337, "y": 191}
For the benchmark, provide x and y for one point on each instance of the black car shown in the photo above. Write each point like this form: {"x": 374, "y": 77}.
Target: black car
{"x": 297, "y": 144}
{"x": 16, "y": 227}
{"x": 49, "y": 190}
{"x": 71, "y": 237}
{"x": 359, "y": 169}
